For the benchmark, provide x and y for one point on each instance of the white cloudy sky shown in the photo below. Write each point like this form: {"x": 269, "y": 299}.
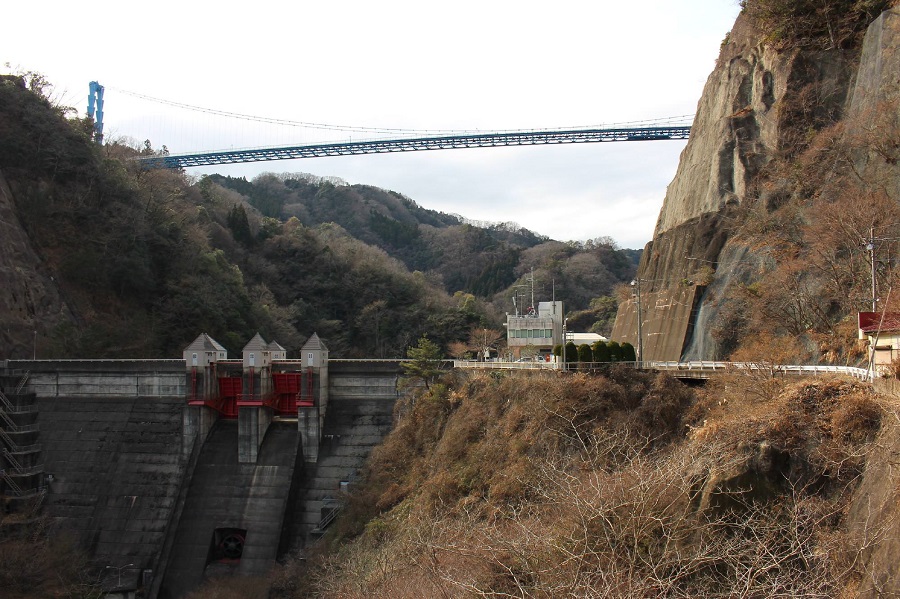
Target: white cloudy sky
{"x": 399, "y": 64}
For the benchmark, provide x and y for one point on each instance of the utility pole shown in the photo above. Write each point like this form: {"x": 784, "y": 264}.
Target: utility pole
{"x": 532, "y": 289}
{"x": 870, "y": 245}
{"x": 640, "y": 348}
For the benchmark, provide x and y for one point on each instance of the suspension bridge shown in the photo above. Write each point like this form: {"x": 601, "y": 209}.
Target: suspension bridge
{"x": 392, "y": 141}
{"x": 444, "y": 142}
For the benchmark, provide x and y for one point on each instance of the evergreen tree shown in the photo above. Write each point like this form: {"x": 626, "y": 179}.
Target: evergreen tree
{"x": 239, "y": 225}
{"x": 424, "y": 361}
{"x": 628, "y": 353}
{"x": 584, "y": 353}
{"x": 615, "y": 351}
{"x": 601, "y": 351}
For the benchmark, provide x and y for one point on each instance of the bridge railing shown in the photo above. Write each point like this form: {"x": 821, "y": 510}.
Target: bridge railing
{"x": 783, "y": 369}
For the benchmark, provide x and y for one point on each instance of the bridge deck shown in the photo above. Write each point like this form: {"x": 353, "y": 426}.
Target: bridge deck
{"x": 445, "y": 142}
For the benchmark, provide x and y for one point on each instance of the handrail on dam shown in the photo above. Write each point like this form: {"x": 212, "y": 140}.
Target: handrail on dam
{"x": 41, "y": 361}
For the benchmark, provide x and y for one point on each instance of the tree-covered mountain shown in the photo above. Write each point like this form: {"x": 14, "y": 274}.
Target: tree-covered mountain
{"x": 484, "y": 259}
{"x": 101, "y": 258}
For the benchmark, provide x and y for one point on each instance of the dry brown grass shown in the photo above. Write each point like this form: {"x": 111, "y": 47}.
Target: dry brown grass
{"x": 619, "y": 486}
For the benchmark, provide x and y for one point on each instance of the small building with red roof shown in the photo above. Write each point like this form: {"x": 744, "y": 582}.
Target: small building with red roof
{"x": 882, "y": 331}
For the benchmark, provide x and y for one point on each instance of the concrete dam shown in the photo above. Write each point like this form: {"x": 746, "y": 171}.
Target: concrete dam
{"x": 169, "y": 472}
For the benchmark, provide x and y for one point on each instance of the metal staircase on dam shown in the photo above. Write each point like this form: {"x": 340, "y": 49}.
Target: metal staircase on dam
{"x": 21, "y": 470}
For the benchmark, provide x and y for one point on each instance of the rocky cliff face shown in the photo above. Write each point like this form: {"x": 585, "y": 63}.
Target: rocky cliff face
{"x": 759, "y": 105}
{"x": 30, "y": 303}
{"x": 874, "y": 100}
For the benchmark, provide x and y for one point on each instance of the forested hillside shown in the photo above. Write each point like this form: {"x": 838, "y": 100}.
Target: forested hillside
{"x": 104, "y": 259}
{"x": 483, "y": 259}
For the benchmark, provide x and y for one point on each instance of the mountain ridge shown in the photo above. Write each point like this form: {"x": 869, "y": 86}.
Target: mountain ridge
{"x": 104, "y": 259}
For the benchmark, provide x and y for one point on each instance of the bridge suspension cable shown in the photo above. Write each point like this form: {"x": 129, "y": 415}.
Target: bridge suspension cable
{"x": 679, "y": 120}
{"x": 407, "y": 140}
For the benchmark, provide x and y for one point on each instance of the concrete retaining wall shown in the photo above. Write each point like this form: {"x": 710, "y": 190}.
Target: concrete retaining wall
{"x": 376, "y": 386}
{"x": 667, "y": 319}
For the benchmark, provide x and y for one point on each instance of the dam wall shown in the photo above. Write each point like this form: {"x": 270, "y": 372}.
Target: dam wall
{"x": 362, "y": 394}
{"x": 110, "y": 439}
{"x": 233, "y": 517}
{"x": 150, "y": 493}
{"x": 104, "y": 378}
{"x": 114, "y": 467}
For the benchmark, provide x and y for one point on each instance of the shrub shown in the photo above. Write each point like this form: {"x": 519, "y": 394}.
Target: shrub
{"x": 664, "y": 409}
{"x": 584, "y": 353}
{"x": 615, "y": 351}
{"x": 815, "y": 24}
{"x": 601, "y": 351}
{"x": 856, "y": 419}
{"x": 571, "y": 352}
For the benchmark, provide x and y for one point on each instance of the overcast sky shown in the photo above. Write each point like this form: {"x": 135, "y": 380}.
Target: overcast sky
{"x": 464, "y": 65}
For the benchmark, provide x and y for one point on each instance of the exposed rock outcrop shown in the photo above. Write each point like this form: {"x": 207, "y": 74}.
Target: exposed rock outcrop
{"x": 875, "y": 101}
{"x": 733, "y": 131}
{"x": 873, "y": 518}
{"x": 759, "y": 104}
{"x": 30, "y": 302}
